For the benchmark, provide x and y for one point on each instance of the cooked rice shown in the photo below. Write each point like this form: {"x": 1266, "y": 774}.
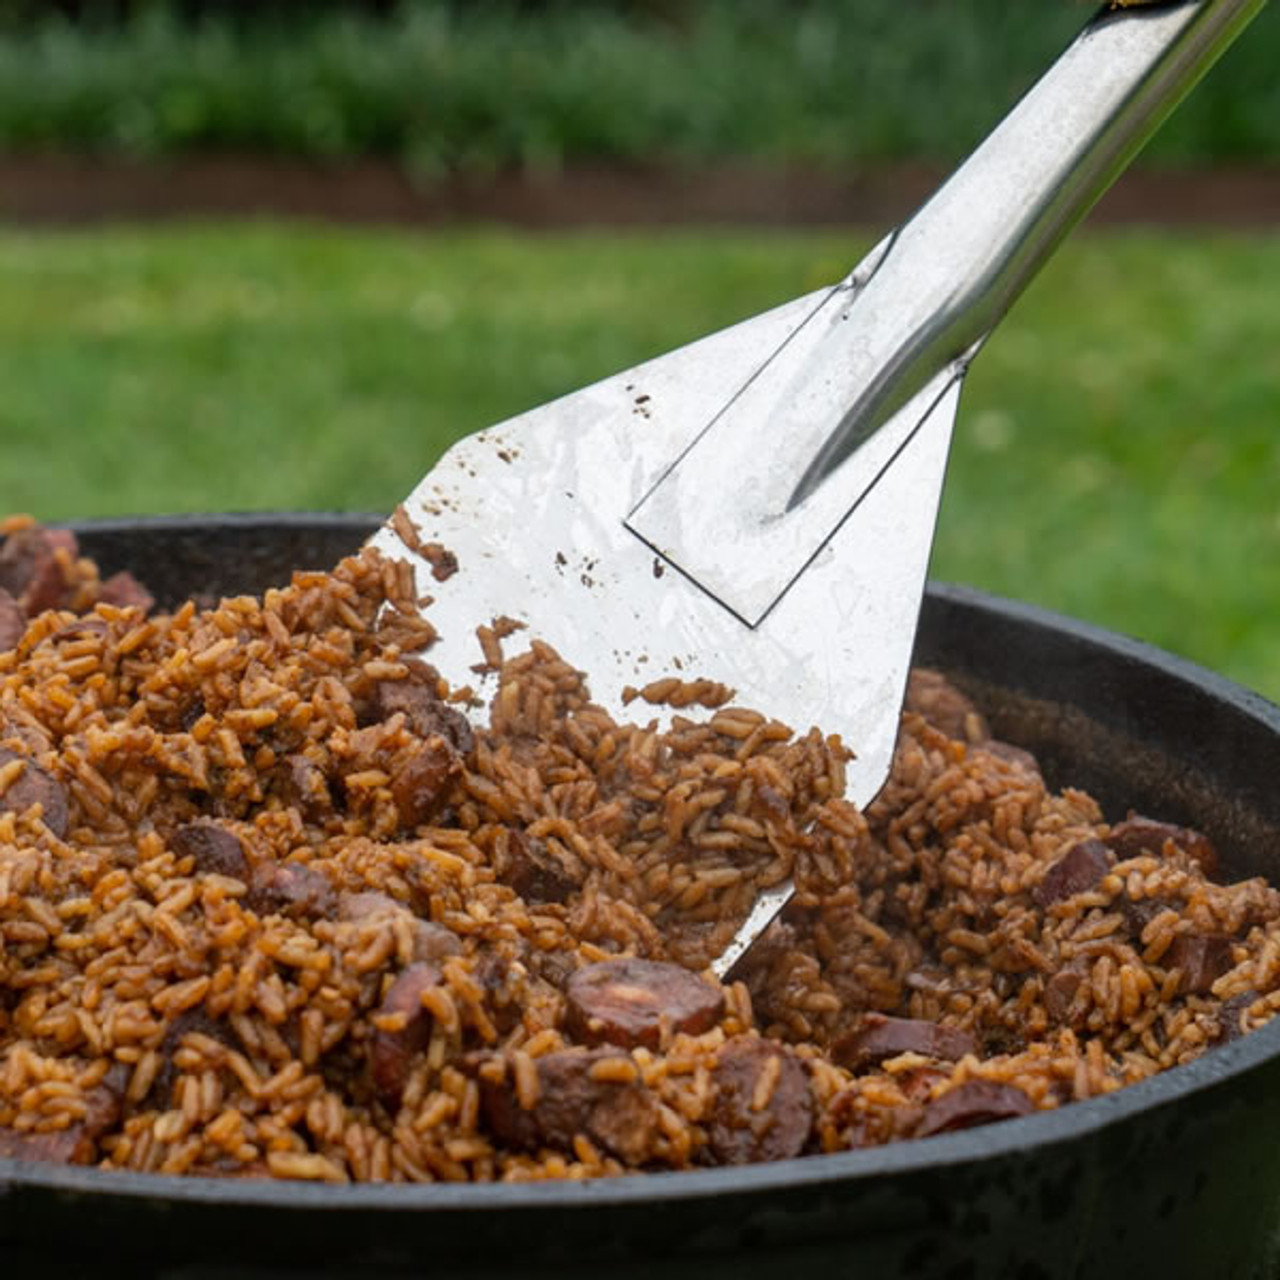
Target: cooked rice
{"x": 362, "y": 998}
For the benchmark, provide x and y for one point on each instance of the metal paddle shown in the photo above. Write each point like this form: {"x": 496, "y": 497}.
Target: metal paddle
{"x": 758, "y": 507}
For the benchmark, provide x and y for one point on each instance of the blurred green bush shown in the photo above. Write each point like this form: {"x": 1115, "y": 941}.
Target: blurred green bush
{"x": 475, "y": 87}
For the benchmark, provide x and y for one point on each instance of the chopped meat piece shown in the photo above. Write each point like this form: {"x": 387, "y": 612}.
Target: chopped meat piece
{"x": 216, "y": 850}
{"x": 125, "y": 592}
{"x": 291, "y": 889}
{"x": 431, "y": 941}
{"x": 425, "y": 713}
{"x": 973, "y": 1103}
{"x": 190, "y": 1022}
{"x": 764, "y": 1106}
{"x": 619, "y": 1115}
{"x": 633, "y": 1002}
{"x": 1137, "y": 834}
{"x": 35, "y": 785}
{"x": 30, "y": 569}
{"x": 502, "y": 997}
{"x": 532, "y": 871}
{"x": 1138, "y": 914}
{"x": 13, "y": 622}
{"x": 1080, "y": 868}
{"x": 878, "y": 1037}
{"x": 393, "y": 1050}
{"x": 306, "y": 788}
{"x": 421, "y": 784}
{"x": 66, "y": 1146}
{"x": 1231, "y": 1015}
{"x": 932, "y": 695}
{"x": 105, "y": 1102}
{"x": 1060, "y": 993}
{"x": 1006, "y": 751}
{"x": 1203, "y": 959}
{"x": 77, "y": 1144}
{"x": 553, "y": 967}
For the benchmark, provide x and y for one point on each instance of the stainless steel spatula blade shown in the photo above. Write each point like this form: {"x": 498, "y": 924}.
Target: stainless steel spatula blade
{"x": 535, "y": 511}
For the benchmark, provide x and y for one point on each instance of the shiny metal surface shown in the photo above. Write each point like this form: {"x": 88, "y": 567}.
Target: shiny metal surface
{"x": 758, "y": 507}
{"x": 800, "y": 447}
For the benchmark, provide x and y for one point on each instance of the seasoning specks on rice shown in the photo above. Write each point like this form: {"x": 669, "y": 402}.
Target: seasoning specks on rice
{"x": 270, "y": 907}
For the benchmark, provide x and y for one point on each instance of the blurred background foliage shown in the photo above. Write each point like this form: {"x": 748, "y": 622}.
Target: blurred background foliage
{"x": 482, "y": 85}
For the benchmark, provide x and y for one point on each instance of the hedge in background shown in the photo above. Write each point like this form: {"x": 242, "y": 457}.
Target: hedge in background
{"x": 445, "y": 88}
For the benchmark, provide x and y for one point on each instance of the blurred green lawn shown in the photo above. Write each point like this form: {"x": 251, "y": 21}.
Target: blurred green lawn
{"x": 1118, "y": 456}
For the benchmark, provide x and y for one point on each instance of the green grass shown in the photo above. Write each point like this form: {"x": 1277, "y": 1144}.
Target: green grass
{"x": 1118, "y": 456}
{"x": 446, "y": 87}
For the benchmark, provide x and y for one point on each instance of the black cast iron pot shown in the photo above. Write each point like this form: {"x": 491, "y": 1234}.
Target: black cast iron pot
{"x": 1178, "y": 1176}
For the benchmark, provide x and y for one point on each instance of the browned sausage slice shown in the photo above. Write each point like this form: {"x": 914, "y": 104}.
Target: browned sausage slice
{"x": 1080, "y": 868}
{"x": 619, "y": 1115}
{"x": 393, "y": 1050}
{"x": 764, "y": 1106}
{"x": 215, "y": 850}
{"x": 633, "y": 1002}
{"x": 35, "y": 785}
{"x": 973, "y": 1103}
{"x": 878, "y": 1037}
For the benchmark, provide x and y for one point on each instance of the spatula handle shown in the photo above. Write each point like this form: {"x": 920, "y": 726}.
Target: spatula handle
{"x": 958, "y": 265}
{"x": 899, "y": 332}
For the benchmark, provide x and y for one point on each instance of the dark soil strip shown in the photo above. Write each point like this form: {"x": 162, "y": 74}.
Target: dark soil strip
{"x": 66, "y": 191}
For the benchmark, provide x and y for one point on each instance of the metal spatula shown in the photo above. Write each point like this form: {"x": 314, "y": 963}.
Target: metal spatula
{"x": 758, "y": 507}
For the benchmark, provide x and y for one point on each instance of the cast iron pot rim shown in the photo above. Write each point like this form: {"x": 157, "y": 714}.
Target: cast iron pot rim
{"x": 1024, "y": 1135}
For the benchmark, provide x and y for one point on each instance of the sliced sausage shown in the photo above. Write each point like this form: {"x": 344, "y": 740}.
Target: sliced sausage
{"x": 878, "y": 1037}
{"x": 13, "y": 622}
{"x": 1079, "y": 869}
{"x": 421, "y": 784}
{"x": 764, "y": 1105}
{"x": 620, "y": 1116}
{"x": 636, "y": 1002}
{"x": 215, "y": 850}
{"x": 291, "y": 889}
{"x": 33, "y": 786}
{"x": 532, "y": 871}
{"x": 1203, "y": 959}
{"x": 393, "y": 1051}
{"x": 973, "y": 1103}
{"x": 1137, "y": 834}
